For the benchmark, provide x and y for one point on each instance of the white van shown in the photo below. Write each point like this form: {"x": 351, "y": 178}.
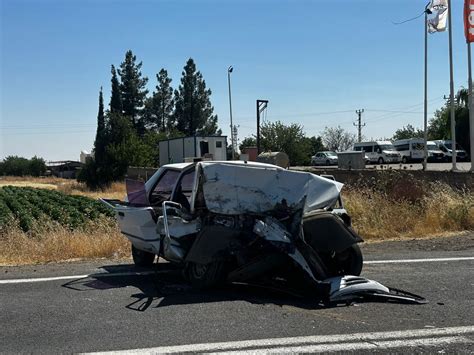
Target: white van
{"x": 379, "y": 151}
{"x": 411, "y": 150}
{"x": 447, "y": 148}
{"x": 435, "y": 155}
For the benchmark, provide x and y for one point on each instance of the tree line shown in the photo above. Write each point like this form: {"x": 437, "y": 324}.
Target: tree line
{"x": 18, "y": 166}
{"x": 128, "y": 131}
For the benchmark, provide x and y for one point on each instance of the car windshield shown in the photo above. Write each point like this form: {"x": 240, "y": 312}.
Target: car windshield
{"x": 386, "y": 147}
{"x": 450, "y": 146}
{"x": 331, "y": 154}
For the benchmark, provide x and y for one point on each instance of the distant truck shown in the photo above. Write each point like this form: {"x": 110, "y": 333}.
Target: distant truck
{"x": 379, "y": 152}
{"x": 188, "y": 149}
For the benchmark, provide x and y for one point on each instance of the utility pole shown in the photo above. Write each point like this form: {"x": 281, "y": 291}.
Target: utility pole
{"x": 425, "y": 101}
{"x": 359, "y": 125}
{"x": 451, "y": 87}
{"x": 261, "y": 106}
{"x": 229, "y": 70}
{"x": 234, "y": 138}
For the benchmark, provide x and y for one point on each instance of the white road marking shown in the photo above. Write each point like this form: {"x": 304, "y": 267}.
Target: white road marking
{"x": 403, "y": 261}
{"x": 72, "y": 277}
{"x": 144, "y": 273}
{"x": 372, "y": 345}
{"x": 338, "y": 342}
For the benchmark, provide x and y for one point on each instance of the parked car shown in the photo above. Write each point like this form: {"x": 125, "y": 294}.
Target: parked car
{"x": 446, "y": 146}
{"x": 411, "y": 150}
{"x": 324, "y": 158}
{"x": 380, "y": 152}
{"x": 241, "y": 221}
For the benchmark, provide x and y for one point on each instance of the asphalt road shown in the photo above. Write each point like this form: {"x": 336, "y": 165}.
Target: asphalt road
{"x": 58, "y": 309}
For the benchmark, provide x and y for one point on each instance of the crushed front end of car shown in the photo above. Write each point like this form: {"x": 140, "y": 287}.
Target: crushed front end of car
{"x": 261, "y": 224}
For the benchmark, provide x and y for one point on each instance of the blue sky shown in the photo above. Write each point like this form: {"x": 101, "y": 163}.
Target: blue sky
{"x": 315, "y": 61}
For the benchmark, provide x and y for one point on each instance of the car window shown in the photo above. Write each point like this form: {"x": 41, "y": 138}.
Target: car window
{"x": 184, "y": 189}
{"x": 187, "y": 182}
{"x": 162, "y": 190}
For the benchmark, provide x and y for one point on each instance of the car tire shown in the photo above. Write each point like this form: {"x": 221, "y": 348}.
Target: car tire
{"x": 346, "y": 262}
{"x": 328, "y": 162}
{"x": 142, "y": 258}
{"x": 404, "y": 160}
{"x": 203, "y": 276}
{"x": 380, "y": 161}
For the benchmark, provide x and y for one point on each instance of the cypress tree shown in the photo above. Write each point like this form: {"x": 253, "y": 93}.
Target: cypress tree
{"x": 101, "y": 135}
{"x": 194, "y": 111}
{"x": 115, "y": 98}
{"x": 132, "y": 87}
{"x": 159, "y": 108}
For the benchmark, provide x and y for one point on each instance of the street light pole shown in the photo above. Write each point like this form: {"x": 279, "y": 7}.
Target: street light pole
{"x": 451, "y": 88}
{"x": 229, "y": 70}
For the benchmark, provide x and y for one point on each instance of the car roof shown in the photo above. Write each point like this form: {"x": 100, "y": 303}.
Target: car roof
{"x": 181, "y": 166}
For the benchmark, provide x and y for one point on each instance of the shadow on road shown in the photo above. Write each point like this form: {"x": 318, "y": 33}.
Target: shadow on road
{"x": 164, "y": 286}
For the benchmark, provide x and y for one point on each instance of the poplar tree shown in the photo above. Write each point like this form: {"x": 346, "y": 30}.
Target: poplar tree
{"x": 194, "y": 111}
{"x": 101, "y": 135}
{"x": 115, "y": 98}
{"x": 159, "y": 107}
{"x": 132, "y": 88}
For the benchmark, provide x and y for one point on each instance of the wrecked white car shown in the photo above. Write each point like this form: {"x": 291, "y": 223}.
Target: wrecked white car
{"x": 245, "y": 222}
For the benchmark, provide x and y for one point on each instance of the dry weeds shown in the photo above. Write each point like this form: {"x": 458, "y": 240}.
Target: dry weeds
{"x": 439, "y": 210}
{"x": 61, "y": 244}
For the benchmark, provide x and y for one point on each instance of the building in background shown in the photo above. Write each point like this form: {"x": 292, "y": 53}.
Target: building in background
{"x": 186, "y": 149}
{"x": 84, "y": 156}
{"x": 67, "y": 169}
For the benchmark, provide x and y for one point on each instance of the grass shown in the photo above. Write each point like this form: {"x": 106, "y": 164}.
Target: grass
{"x": 412, "y": 212}
{"x": 401, "y": 210}
{"x": 62, "y": 244}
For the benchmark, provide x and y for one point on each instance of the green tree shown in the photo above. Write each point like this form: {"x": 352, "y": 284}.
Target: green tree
{"x": 115, "y": 97}
{"x": 248, "y": 142}
{"x": 16, "y": 166}
{"x": 158, "y": 110}
{"x": 133, "y": 89}
{"x": 440, "y": 125}
{"x": 407, "y": 132}
{"x": 276, "y": 136}
{"x": 337, "y": 139}
{"x": 193, "y": 110}
{"x": 315, "y": 145}
{"x": 36, "y": 166}
{"x": 100, "y": 142}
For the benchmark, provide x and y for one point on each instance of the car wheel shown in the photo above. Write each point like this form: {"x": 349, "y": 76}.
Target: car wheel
{"x": 404, "y": 160}
{"x": 346, "y": 262}
{"x": 205, "y": 275}
{"x": 380, "y": 161}
{"x": 142, "y": 258}
{"x": 328, "y": 162}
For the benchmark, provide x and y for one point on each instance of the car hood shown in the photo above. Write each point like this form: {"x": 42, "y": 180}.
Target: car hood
{"x": 231, "y": 189}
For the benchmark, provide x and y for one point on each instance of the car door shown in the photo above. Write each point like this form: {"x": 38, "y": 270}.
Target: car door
{"x": 138, "y": 222}
{"x": 319, "y": 158}
{"x": 179, "y": 226}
